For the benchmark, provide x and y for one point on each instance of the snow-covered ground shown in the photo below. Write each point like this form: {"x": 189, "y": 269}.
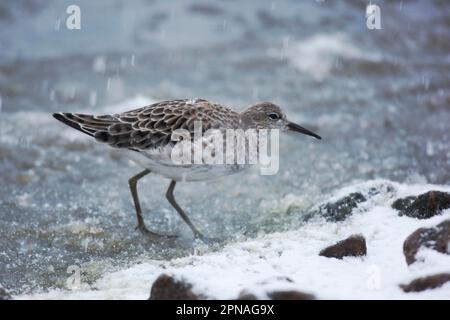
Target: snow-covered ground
{"x": 290, "y": 260}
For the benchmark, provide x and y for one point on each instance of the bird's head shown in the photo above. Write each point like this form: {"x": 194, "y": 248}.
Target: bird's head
{"x": 266, "y": 115}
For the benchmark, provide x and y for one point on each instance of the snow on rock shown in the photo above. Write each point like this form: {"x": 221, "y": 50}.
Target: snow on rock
{"x": 342, "y": 208}
{"x": 436, "y": 238}
{"x": 290, "y": 261}
{"x": 424, "y": 206}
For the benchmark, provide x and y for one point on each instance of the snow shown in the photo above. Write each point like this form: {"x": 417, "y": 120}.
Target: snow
{"x": 290, "y": 260}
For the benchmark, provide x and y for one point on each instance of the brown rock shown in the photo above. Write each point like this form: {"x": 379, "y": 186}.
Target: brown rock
{"x": 245, "y": 295}
{"x": 290, "y": 295}
{"x": 168, "y": 288}
{"x": 353, "y": 246}
{"x": 426, "y": 283}
{"x": 424, "y": 206}
{"x": 436, "y": 238}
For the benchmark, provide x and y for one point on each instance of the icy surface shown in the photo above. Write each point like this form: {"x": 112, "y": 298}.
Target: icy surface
{"x": 290, "y": 260}
{"x": 380, "y": 99}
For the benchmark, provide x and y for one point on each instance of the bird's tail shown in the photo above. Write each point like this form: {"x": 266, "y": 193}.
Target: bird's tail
{"x": 105, "y": 128}
{"x": 86, "y": 123}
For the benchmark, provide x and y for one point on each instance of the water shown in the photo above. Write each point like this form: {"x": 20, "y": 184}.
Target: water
{"x": 380, "y": 99}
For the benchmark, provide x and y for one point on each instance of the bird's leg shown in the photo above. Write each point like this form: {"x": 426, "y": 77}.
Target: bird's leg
{"x": 171, "y": 199}
{"x": 141, "y": 225}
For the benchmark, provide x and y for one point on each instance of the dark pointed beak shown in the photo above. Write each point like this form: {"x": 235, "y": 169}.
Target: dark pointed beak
{"x": 295, "y": 127}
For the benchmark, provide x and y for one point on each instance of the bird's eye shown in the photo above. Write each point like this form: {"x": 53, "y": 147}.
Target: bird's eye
{"x": 274, "y": 116}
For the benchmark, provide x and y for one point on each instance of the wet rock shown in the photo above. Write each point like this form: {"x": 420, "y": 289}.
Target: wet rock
{"x": 436, "y": 238}
{"x": 341, "y": 209}
{"x": 4, "y": 295}
{"x": 426, "y": 283}
{"x": 424, "y": 206}
{"x": 290, "y": 295}
{"x": 403, "y": 203}
{"x": 169, "y": 288}
{"x": 353, "y": 246}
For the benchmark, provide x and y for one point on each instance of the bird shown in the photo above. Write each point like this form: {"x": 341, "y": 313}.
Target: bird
{"x": 146, "y": 134}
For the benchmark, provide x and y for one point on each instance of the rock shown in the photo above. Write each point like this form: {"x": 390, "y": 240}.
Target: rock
{"x": 341, "y": 209}
{"x": 424, "y": 206}
{"x": 426, "y": 283}
{"x": 436, "y": 238}
{"x": 245, "y": 295}
{"x": 403, "y": 203}
{"x": 290, "y": 295}
{"x": 168, "y": 288}
{"x": 353, "y": 246}
{"x": 4, "y": 295}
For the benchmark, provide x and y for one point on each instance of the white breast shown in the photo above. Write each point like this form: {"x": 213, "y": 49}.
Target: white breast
{"x": 159, "y": 161}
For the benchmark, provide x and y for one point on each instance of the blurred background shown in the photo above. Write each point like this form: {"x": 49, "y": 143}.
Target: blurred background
{"x": 379, "y": 98}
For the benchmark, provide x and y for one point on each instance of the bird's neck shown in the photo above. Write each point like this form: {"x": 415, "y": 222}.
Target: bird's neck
{"x": 246, "y": 121}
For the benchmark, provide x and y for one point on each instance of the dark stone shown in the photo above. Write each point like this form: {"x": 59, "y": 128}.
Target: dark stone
{"x": 168, "y": 288}
{"x": 341, "y": 209}
{"x": 436, "y": 238}
{"x": 403, "y": 203}
{"x": 4, "y": 295}
{"x": 426, "y": 283}
{"x": 424, "y": 206}
{"x": 290, "y": 295}
{"x": 353, "y": 246}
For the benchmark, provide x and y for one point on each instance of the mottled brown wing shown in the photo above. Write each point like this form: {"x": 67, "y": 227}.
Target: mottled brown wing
{"x": 151, "y": 126}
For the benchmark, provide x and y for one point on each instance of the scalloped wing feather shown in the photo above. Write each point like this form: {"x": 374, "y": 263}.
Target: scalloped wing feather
{"x": 151, "y": 126}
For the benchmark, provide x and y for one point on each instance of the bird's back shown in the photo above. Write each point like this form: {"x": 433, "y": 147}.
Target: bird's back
{"x": 151, "y": 126}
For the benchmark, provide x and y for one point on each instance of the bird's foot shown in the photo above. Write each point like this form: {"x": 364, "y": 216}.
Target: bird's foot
{"x": 153, "y": 235}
